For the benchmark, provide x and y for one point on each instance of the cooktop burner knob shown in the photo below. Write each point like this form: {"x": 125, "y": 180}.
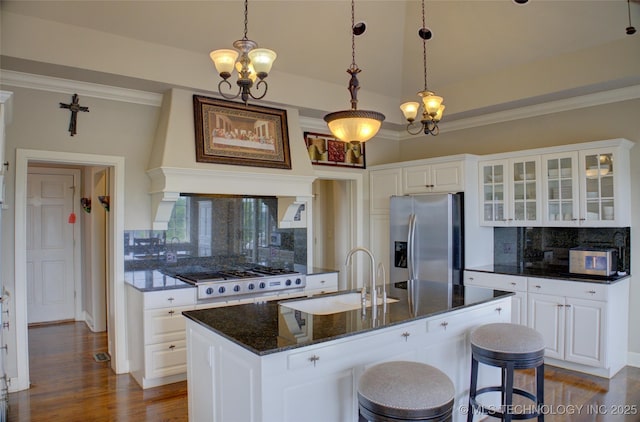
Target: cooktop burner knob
{"x": 236, "y": 288}
{"x": 251, "y": 286}
{"x": 288, "y": 282}
{"x": 298, "y": 281}
{"x": 262, "y": 285}
{"x": 221, "y": 289}
{"x": 209, "y": 291}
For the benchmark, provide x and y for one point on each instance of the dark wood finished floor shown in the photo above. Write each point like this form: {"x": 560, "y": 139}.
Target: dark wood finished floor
{"x": 69, "y": 385}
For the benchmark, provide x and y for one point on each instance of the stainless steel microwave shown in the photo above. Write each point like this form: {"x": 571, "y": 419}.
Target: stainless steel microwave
{"x": 593, "y": 261}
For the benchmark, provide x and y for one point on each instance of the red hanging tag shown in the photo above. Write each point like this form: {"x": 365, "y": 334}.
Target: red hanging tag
{"x": 72, "y": 218}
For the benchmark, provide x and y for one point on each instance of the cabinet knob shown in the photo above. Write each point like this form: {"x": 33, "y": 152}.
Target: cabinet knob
{"x": 429, "y": 186}
{"x": 470, "y": 278}
{"x": 498, "y": 310}
{"x": 314, "y": 359}
{"x": 593, "y": 292}
{"x": 172, "y": 347}
{"x": 171, "y": 312}
{"x": 560, "y": 305}
{"x": 170, "y": 299}
{"x": 567, "y": 306}
{"x": 444, "y": 325}
{"x": 538, "y": 286}
{"x": 406, "y": 335}
{"x": 322, "y": 281}
{"x": 513, "y": 284}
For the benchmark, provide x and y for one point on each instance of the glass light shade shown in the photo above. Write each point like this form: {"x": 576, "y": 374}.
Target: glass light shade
{"x": 252, "y": 72}
{"x": 438, "y": 115}
{"x": 431, "y": 103}
{"x": 354, "y": 125}
{"x": 410, "y": 110}
{"x": 224, "y": 60}
{"x": 262, "y": 59}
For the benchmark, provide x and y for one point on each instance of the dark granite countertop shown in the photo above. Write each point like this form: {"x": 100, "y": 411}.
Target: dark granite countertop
{"x": 559, "y": 273}
{"x": 268, "y": 327}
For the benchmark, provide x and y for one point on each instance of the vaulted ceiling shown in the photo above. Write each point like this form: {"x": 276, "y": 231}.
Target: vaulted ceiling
{"x": 472, "y": 38}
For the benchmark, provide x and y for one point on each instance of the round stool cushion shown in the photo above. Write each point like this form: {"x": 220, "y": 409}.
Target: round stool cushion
{"x": 507, "y": 338}
{"x": 406, "y": 390}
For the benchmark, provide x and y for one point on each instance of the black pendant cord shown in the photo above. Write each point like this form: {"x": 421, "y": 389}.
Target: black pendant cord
{"x": 629, "y": 29}
{"x": 424, "y": 47}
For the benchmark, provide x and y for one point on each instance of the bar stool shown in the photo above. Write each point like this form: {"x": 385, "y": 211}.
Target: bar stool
{"x": 510, "y": 347}
{"x": 405, "y": 391}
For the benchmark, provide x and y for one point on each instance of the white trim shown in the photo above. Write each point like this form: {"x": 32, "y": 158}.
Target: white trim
{"x": 116, "y": 263}
{"x": 85, "y": 89}
{"x": 633, "y": 359}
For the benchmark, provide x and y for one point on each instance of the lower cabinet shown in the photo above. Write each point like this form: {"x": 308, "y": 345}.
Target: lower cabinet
{"x": 322, "y": 283}
{"x": 319, "y": 382}
{"x": 507, "y": 283}
{"x": 584, "y": 325}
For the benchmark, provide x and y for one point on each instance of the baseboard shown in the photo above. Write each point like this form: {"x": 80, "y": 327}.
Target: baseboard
{"x": 633, "y": 359}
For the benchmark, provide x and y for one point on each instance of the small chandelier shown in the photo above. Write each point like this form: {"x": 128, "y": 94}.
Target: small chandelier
{"x": 354, "y": 125}
{"x": 254, "y": 63}
{"x": 432, "y": 107}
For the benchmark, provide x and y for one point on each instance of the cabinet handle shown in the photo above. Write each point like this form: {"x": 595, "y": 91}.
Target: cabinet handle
{"x": 513, "y": 284}
{"x": 170, "y": 299}
{"x": 444, "y": 325}
{"x": 498, "y": 310}
{"x": 537, "y": 286}
{"x": 567, "y": 306}
{"x": 171, "y": 312}
{"x": 470, "y": 278}
{"x": 322, "y": 281}
{"x": 172, "y": 347}
{"x": 406, "y": 335}
{"x": 560, "y": 305}
{"x": 581, "y": 219}
{"x": 429, "y": 186}
{"x": 593, "y": 292}
{"x": 314, "y": 359}
{"x": 5, "y": 325}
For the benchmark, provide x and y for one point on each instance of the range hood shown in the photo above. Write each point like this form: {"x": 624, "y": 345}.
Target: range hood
{"x": 173, "y": 169}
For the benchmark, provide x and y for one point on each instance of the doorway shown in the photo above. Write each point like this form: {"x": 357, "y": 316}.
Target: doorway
{"x": 114, "y": 251}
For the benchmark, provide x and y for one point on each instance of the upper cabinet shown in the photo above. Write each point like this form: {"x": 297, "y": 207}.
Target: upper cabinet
{"x": 587, "y": 186}
{"x": 437, "y": 177}
{"x": 510, "y": 191}
{"x": 383, "y": 184}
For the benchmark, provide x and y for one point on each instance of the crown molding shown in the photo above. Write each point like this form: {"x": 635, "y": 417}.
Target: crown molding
{"x": 550, "y": 107}
{"x": 85, "y": 89}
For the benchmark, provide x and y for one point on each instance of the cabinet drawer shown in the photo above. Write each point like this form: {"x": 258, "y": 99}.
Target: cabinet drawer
{"x": 168, "y": 298}
{"x": 460, "y": 322}
{"x": 165, "y": 324}
{"x": 166, "y": 359}
{"x": 509, "y": 283}
{"x": 322, "y": 282}
{"x": 577, "y": 289}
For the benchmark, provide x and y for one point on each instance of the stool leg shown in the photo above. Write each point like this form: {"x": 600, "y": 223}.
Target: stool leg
{"x": 540, "y": 390}
{"x": 472, "y": 387}
{"x": 508, "y": 392}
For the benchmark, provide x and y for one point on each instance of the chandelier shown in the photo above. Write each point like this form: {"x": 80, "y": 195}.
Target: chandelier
{"x": 432, "y": 107}
{"x": 253, "y": 64}
{"x": 354, "y": 125}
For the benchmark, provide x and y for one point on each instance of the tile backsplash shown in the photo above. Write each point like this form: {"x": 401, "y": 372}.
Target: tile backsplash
{"x": 548, "y": 247}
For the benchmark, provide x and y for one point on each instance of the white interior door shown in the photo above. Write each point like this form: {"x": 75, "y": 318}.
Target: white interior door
{"x": 50, "y": 253}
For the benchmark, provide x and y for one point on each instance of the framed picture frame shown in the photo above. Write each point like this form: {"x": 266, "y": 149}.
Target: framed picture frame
{"x": 327, "y": 150}
{"x": 239, "y": 134}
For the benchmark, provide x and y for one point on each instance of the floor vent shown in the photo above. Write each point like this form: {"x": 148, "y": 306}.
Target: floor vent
{"x": 101, "y": 357}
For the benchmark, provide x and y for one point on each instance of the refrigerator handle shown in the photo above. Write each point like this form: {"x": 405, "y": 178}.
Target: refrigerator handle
{"x": 410, "y": 245}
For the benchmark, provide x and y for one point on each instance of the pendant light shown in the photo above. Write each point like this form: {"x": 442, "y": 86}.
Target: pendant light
{"x": 254, "y": 64}
{"x": 432, "y": 107}
{"x": 354, "y": 125}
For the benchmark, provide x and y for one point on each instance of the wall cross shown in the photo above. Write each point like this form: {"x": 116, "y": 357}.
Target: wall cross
{"x": 74, "y": 107}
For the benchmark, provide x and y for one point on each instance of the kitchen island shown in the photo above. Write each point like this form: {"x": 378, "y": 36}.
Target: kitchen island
{"x": 269, "y": 362}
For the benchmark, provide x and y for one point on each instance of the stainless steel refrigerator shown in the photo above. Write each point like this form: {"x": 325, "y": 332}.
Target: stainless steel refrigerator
{"x": 427, "y": 238}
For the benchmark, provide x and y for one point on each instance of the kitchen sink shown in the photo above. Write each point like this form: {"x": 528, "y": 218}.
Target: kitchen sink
{"x": 331, "y": 304}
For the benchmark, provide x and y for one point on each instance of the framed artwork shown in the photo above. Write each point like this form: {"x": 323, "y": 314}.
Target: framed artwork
{"x": 239, "y": 134}
{"x": 330, "y": 151}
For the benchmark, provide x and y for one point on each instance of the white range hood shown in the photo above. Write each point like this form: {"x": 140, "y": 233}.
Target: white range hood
{"x": 173, "y": 168}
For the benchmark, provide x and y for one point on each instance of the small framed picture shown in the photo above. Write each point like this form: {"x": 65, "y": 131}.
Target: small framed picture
{"x": 329, "y": 151}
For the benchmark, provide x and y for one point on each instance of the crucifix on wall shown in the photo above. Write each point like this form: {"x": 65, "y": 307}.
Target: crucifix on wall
{"x": 74, "y": 107}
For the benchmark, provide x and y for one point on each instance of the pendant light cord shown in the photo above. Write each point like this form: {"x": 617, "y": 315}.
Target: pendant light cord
{"x": 424, "y": 49}
{"x": 246, "y": 18}
{"x": 353, "y": 36}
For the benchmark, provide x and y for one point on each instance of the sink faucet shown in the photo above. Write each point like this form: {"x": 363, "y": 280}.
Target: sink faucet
{"x": 373, "y": 295}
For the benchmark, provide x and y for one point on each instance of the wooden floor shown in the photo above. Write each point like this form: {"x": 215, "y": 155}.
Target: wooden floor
{"x": 69, "y": 385}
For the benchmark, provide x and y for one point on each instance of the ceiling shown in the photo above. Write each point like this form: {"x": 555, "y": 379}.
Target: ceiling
{"x": 312, "y": 37}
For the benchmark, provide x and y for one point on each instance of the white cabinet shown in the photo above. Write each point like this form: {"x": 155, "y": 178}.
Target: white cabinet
{"x": 584, "y": 325}
{"x": 383, "y": 184}
{"x": 230, "y": 383}
{"x": 156, "y": 334}
{"x": 510, "y": 191}
{"x": 437, "y": 177}
{"x": 560, "y": 189}
{"x": 322, "y": 283}
{"x": 507, "y": 283}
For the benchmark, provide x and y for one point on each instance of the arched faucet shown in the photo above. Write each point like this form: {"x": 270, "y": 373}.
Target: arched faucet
{"x": 373, "y": 294}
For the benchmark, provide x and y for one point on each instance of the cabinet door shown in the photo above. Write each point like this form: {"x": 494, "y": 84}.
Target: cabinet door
{"x": 382, "y": 185}
{"x": 417, "y": 179}
{"x": 560, "y": 189}
{"x": 585, "y": 331}
{"x": 494, "y": 197}
{"x": 597, "y": 177}
{"x": 524, "y": 188}
{"x": 547, "y": 316}
{"x": 519, "y": 308}
{"x": 447, "y": 177}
